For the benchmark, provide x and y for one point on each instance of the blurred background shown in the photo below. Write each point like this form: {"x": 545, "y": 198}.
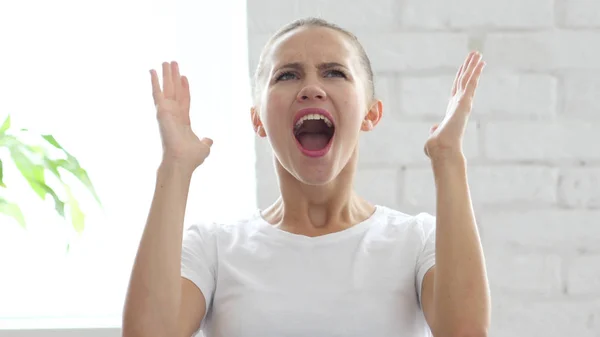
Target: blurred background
{"x": 79, "y": 71}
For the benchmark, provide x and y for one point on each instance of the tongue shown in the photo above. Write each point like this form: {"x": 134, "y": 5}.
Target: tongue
{"x": 313, "y": 141}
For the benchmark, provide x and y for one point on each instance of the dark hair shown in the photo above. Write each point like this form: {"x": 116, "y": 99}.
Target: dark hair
{"x": 313, "y": 22}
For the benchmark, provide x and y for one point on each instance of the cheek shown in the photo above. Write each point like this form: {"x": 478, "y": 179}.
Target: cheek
{"x": 275, "y": 114}
{"x": 351, "y": 109}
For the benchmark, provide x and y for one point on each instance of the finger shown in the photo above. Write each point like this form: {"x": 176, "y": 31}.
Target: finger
{"x": 176, "y": 79}
{"x": 474, "y": 80}
{"x": 463, "y": 68}
{"x": 433, "y": 128}
{"x": 454, "y": 85}
{"x": 156, "y": 92}
{"x": 167, "y": 81}
{"x": 207, "y": 141}
{"x": 469, "y": 70}
{"x": 466, "y": 62}
{"x": 185, "y": 92}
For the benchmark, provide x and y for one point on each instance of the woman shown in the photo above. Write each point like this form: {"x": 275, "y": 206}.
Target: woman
{"x": 321, "y": 260}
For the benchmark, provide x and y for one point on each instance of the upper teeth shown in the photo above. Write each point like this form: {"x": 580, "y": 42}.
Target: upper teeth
{"x": 311, "y": 117}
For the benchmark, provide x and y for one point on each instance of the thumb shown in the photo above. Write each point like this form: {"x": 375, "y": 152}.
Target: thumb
{"x": 433, "y": 128}
{"x": 207, "y": 141}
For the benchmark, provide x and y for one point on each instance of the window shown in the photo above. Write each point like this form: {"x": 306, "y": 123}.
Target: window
{"x": 79, "y": 70}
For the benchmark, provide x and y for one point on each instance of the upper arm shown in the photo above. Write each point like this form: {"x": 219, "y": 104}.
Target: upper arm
{"x": 198, "y": 276}
{"x": 425, "y": 269}
{"x": 192, "y": 308}
{"x": 427, "y": 297}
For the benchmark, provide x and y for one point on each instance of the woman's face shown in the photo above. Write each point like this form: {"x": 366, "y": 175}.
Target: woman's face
{"x": 313, "y": 103}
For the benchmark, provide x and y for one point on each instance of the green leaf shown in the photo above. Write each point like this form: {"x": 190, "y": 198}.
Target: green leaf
{"x": 50, "y": 139}
{"x": 72, "y": 165}
{"x": 5, "y": 125}
{"x": 7, "y": 140}
{"x": 77, "y": 216}
{"x": 33, "y": 173}
{"x": 59, "y": 205}
{"x": 52, "y": 166}
{"x": 13, "y": 210}
{"x": 1, "y": 175}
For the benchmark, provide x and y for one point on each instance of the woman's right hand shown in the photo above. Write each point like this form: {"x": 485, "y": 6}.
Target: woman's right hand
{"x": 180, "y": 144}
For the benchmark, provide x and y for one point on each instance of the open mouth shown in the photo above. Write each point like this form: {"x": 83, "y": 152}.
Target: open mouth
{"x": 313, "y": 133}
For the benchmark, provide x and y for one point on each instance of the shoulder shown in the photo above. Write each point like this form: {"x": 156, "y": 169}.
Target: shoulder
{"x": 420, "y": 225}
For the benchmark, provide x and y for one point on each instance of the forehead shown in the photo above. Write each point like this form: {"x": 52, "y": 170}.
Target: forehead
{"x": 312, "y": 44}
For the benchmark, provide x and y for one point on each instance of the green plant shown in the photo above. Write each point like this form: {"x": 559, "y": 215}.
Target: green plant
{"x": 33, "y": 162}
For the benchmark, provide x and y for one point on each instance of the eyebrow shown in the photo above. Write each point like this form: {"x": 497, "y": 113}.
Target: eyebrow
{"x": 321, "y": 66}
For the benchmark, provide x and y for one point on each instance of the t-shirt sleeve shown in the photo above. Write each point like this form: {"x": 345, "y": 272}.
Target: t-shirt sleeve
{"x": 199, "y": 258}
{"x": 426, "y": 258}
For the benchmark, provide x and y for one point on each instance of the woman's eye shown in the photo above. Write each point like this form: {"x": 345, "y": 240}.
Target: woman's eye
{"x": 335, "y": 73}
{"x": 286, "y": 76}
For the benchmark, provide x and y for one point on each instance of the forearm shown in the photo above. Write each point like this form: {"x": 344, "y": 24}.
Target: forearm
{"x": 461, "y": 292}
{"x": 153, "y": 297}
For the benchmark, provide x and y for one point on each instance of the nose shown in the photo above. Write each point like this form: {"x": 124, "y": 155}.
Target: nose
{"x": 312, "y": 92}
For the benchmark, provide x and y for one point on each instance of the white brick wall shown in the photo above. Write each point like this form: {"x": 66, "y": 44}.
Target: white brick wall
{"x": 533, "y": 145}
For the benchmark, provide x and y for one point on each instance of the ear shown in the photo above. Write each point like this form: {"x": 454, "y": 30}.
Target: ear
{"x": 256, "y": 123}
{"x": 373, "y": 116}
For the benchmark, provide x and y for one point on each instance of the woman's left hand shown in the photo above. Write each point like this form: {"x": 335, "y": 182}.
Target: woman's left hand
{"x": 445, "y": 138}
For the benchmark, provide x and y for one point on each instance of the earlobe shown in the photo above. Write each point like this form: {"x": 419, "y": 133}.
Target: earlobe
{"x": 256, "y": 123}
{"x": 367, "y": 125}
{"x": 373, "y": 116}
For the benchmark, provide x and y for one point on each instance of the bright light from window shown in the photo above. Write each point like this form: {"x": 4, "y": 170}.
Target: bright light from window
{"x": 79, "y": 70}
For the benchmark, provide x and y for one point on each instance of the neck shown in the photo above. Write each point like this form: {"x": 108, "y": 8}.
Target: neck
{"x": 316, "y": 210}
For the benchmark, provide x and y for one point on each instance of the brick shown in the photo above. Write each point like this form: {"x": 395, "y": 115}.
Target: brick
{"x": 431, "y": 14}
{"x": 490, "y": 185}
{"x": 528, "y": 273}
{"x": 541, "y": 141}
{"x": 580, "y": 187}
{"x": 499, "y": 94}
{"x": 581, "y": 13}
{"x": 419, "y": 188}
{"x": 584, "y": 275}
{"x": 378, "y": 185}
{"x": 359, "y": 16}
{"x": 435, "y": 14}
{"x": 415, "y": 51}
{"x": 425, "y": 96}
{"x": 581, "y": 95}
{"x": 397, "y": 142}
{"x": 539, "y": 51}
{"x": 551, "y": 230}
{"x": 524, "y": 316}
{"x": 513, "y": 94}
{"x": 387, "y": 90}
{"x": 279, "y": 14}
{"x": 493, "y": 185}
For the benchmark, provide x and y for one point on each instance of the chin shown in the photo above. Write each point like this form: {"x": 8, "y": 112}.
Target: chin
{"x": 315, "y": 176}
{"x": 318, "y": 172}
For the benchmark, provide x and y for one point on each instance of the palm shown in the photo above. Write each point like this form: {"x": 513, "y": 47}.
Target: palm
{"x": 446, "y": 137}
{"x": 172, "y": 103}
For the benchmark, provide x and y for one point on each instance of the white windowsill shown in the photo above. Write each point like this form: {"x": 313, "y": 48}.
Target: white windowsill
{"x": 61, "y": 327}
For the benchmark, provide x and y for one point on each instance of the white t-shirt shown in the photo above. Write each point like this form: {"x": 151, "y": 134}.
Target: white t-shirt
{"x": 259, "y": 280}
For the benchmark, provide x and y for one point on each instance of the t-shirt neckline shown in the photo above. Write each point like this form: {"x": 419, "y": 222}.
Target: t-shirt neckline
{"x": 275, "y": 232}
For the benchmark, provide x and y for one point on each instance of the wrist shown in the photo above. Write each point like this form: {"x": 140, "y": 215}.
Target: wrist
{"x": 444, "y": 161}
{"x": 447, "y": 158}
{"x": 175, "y": 170}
